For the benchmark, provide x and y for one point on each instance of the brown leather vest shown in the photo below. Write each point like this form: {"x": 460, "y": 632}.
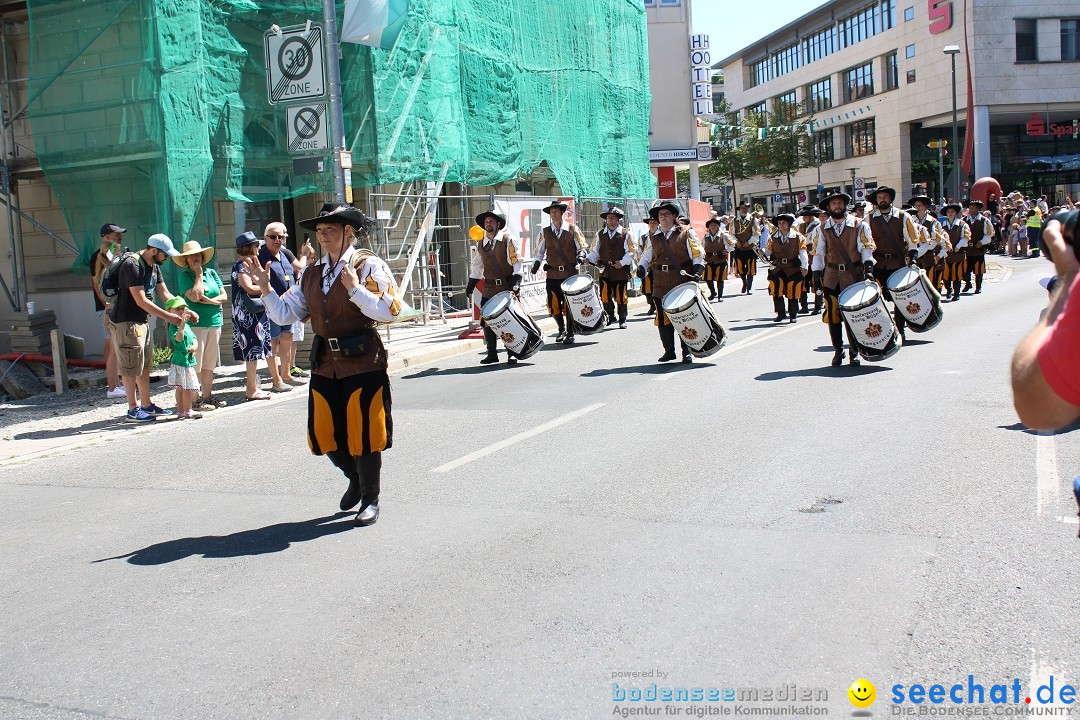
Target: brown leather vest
{"x": 611, "y": 250}
{"x": 335, "y": 316}
{"x": 956, "y": 234}
{"x": 785, "y": 251}
{"x": 496, "y": 266}
{"x": 742, "y": 233}
{"x": 715, "y": 250}
{"x": 975, "y": 248}
{"x": 669, "y": 257}
{"x": 891, "y": 252}
{"x": 561, "y": 252}
{"x": 853, "y": 266}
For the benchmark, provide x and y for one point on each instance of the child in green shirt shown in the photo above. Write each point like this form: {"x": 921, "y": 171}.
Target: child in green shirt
{"x": 182, "y": 375}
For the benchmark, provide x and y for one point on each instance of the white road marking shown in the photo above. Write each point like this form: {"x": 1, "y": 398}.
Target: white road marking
{"x": 510, "y": 441}
{"x": 1046, "y": 473}
{"x": 742, "y": 345}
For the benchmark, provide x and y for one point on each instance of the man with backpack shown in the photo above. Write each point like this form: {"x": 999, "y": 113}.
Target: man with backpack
{"x": 132, "y": 280}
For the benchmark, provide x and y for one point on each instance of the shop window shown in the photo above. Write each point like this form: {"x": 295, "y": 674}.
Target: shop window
{"x": 1026, "y": 41}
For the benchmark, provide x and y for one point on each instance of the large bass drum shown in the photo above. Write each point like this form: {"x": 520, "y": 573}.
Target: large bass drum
{"x": 518, "y": 332}
{"x": 693, "y": 320}
{"x": 586, "y": 311}
{"x": 915, "y": 298}
{"x": 869, "y": 321}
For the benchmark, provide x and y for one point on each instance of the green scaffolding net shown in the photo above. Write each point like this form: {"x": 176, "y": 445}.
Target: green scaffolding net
{"x": 146, "y": 112}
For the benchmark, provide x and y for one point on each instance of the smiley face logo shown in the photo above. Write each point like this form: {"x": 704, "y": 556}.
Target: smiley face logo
{"x": 862, "y": 693}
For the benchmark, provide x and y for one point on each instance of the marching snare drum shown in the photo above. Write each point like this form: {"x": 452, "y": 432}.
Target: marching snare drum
{"x": 693, "y": 320}
{"x": 915, "y": 298}
{"x": 586, "y": 311}
{"x": 869, "y": 321}
{"x": 519, "y": 332}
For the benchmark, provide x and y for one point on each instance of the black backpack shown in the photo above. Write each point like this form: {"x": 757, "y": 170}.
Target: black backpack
{"x": 110, "y": 279}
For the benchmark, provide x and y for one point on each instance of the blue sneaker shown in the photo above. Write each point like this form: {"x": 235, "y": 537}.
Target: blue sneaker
{"x": 156, "y": 411}
{"x": 139, "y": 415}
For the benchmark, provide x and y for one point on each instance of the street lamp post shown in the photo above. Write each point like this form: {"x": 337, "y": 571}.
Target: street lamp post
{"x": 952, "y": 51}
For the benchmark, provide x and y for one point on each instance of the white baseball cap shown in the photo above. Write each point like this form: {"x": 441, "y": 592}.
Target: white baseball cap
{"x": 162, "y": 242}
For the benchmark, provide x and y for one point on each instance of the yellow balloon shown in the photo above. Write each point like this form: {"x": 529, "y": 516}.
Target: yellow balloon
{"x": 476, "y": 233}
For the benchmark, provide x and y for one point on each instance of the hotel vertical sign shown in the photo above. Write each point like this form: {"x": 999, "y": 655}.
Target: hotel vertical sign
{"x": 701, "y": 75}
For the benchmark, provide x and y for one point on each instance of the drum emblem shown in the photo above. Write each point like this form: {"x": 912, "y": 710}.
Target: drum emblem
{"x": 689, "y": 333}
{"x": 586, "y": 310}
{"x": 507, "y": 338}
{"x": 873, "y": 330}
{"x": 913, "y": 308}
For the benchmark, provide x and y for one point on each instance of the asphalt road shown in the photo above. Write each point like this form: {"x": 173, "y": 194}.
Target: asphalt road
{"x": 754, "y": 520}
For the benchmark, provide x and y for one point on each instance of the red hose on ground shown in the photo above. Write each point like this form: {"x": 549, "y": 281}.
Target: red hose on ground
{"x": 47, "y": 360}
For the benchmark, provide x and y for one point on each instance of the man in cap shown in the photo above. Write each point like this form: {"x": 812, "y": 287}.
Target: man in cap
{"x": 673, "y": 256}
{"x": 805, "y": 224}
{"x": 346, "y": 294}
{"x": 897, "y": 239}
{"x": 843, "y": 256}
{"x": 959, "y": 236}
{"x": 563, "y": 247}
{"x": 613, "y": 252}
{"x": 496, "y": 262}
{"x": 982, "y": 234}
{"x": 786, "y": 247}
{"x": 747, "y": 231}
{"x": 102, "y": 257}
{"x": 138, "y": 281}
{"x": 646, "y": 280}
{"x": 933, "y": 242}
{"x": 716, "y": 245}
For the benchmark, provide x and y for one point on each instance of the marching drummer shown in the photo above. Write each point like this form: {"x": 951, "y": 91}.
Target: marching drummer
{"x": 496, "y": 262}
{"x": 897, "y": 239}
{"x": 843, "y": 256}
{"x": 747, "y": 231}
{"x": 982, "y": 233}
{"x": 959, "y": 235}
{"x": 646, "y": 281}
{"x": 806, "y": 223}
{"x": 716, "y": 245}
{"x": 613, "y": 252}
{"x": 563, "y": 246}
{"x": 786, "y": 247}
{"x": 932, "y": 248}
{"x": 673, "y": 256}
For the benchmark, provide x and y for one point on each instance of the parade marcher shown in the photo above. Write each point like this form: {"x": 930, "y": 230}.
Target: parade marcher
{"x": 646, "y": 280}
{"x": 982, "y": 234}
{"x": 933, "y": 245}
{"x": 806, "y": 223}
{"x": 896, "y": 237}
{"x": 716, "y": 245}
{"x": 747, "y": 232}
{"x": 669, "y": 253}
{"x": 843, "y": 256}
{"x": 346, "y": 294}
{"x": 956, "y": 258}
{"x": 563, "y": 247}
{"x": 786, "y": 248}
{"x": 613, "y": 252}
{"x": 496, "y": 262}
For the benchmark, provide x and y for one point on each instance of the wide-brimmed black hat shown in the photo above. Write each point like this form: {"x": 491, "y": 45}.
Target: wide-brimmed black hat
{"x": 924, "y": 199}
{"x": 555, "y": 205}
{"x": 954, "y": 205}
{"x": 484, "y": 215}
{"x": 824, "y": 203}
{"x": 809, "y": 210}
{"x": 338, "y": 214}
{"x": 712, "y": 221}
{"x": 884, "y": 189}
{"x": 743, "y": 202}
{"x": 613, "y": 210}
{"x": 654, "y": 211}
{"x": 783, "y": 216}
{"x": 246, "y": 239}
{"x": 976, "y": 203}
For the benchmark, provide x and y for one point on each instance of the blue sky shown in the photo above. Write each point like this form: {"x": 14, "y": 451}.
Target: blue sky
{"x": 731, "y": 26}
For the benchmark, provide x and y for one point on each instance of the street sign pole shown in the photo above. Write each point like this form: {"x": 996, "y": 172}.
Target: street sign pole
{"x": 342, "y": 191}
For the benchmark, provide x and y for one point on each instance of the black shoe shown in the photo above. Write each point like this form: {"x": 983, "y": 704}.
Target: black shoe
{"x": 351, "y": 496}
{"x": 838, "y": 358}
{"x": 978, "y": 291}
{"x": 652, "y": 311}
{"x": 853, "y": 358}
{"x": 622, "y": 324}
{"x": 804, "y": 309}
{"x": 780, "y": 317}
{"x": 793, "y": 318}
{"x": 561, "y": 336}
{"x": 712, "y": 297}
{"x": 687, "y": 359}
{"x": 367, "y": 515}
{"x": 610, "y": 321}
{"x": 511, "y": 359}
{"x": 490, "y": 358}
{"x": 569, "y": 339}
{"x": 667, "y": 357}
{"x": 967, "y": 287}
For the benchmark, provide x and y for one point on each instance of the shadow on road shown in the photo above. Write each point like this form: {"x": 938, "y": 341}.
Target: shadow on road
{"x": 653, "y": 369}
{"x": 554, "y": 346}
{"x": 912, "y": 343}
{"x": 471, "y": 370}
{"x": 90, "y": 427}
{"x": 269, "y": 539}
{"x": 830, "y": 371}
{"x": 1021, "y": 427}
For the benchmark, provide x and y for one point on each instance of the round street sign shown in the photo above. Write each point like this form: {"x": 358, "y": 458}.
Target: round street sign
{"x": 294, "y": 58}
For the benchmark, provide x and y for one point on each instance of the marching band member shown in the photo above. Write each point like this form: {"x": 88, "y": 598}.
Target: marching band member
{"x": 613, "y": 252}
{"x": 496, "y": 261}
{"x": 563, "y": 246}
{"x": 646, "y": 280}
{"x": 747, "y": 232}
{"x": 959, "y": 235}
{"x": 982, "y": 234}
{"x": 670, "y": 251}
{"x": 716, "y": 245}
{"x": 806, "y": 224}
{"x": 345, "y": 294}
{"x": 843, "y": 256}
{"x": 931, "y": 252}
{"x": 786, "y": 247}
{"x": 897, "y": 239}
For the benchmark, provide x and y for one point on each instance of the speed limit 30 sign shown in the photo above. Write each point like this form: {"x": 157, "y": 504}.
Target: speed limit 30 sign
{"x": 294, "y": 64}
